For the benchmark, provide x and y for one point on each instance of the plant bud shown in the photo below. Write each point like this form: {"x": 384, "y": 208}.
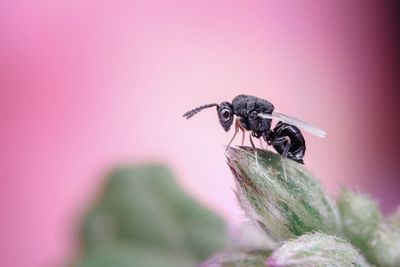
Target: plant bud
{"x": 316, "y": 249}
{"x": 384, "y": 248}
{"x": 280, "y": 195}
{"x": 360, "y": 217}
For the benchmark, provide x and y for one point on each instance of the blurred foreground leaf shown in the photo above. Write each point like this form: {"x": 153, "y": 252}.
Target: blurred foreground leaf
{"x": 142, "y": 218}
{"x": 123, "y": 255}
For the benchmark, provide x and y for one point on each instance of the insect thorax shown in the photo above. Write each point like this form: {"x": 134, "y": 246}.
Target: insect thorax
{"x": 244, "y": 104}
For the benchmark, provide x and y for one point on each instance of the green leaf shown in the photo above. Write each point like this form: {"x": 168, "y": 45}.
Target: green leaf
{"x": 281, "y": 195}
{"x": 142, "y": 207}
{"x": 125, "y": 255}
{"x": 360, "y": 217}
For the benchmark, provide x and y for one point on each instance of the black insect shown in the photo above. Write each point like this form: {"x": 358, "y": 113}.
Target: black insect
{"x": 255, "y": 115}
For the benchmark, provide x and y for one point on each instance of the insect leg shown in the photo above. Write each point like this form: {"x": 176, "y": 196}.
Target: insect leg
{"x": 236, "y": 131}
{"x": 285, "y": 141}
{"x": 238, "y": 126}
{"x": 254, "y": 148}
{"x": 252, "y": 143}
{"x": 233, "y": 137}
{"x": 261, "y": 144}
{"x": 288, "y": 141}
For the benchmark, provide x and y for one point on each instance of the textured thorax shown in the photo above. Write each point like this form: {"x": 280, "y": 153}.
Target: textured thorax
{"x": 247, "y": 107}
{"x": 244, "y": 104}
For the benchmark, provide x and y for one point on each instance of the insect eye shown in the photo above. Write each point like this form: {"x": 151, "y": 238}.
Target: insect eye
{"x": 226, "y": 114}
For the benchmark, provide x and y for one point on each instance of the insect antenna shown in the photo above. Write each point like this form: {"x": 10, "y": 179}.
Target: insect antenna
{"x": 194, "y": 111}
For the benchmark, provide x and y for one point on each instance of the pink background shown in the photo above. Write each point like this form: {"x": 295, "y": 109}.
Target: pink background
{"x": 87, "y": 85}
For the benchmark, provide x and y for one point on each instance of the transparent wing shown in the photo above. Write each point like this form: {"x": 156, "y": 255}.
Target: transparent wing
{"x": 296, "y": 122}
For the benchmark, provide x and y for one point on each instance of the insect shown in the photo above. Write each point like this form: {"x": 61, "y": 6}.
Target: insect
{"x": 255, "y": 115}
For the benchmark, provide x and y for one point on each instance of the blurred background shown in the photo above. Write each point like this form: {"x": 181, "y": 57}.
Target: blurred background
{"x": 90, "y": 85}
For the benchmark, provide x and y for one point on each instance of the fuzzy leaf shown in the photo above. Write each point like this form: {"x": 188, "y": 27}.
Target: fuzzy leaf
{"x": 280, "y": 195}
{"x": 364, "y": 226}
{"x": 384, "y": 249}
{"x": 317, "y": 250}
{"x": 360, "y": 217}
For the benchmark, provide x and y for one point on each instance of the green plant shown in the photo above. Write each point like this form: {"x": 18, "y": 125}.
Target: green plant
{"x": 142, "y": 218}
{"x": 306, "y": 226}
